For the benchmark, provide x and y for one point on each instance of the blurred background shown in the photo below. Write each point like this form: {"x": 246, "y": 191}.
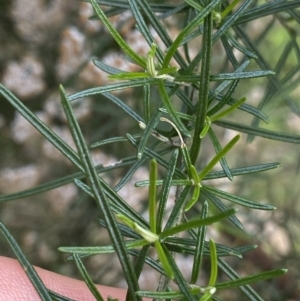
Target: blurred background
{"x": 47, "y": 43}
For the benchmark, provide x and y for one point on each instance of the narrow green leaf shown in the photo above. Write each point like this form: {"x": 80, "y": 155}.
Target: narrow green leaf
{"x": 150, "y": 60}
{"x": 117, "y": 37}
{"x": 99, "y": 195}
{"x": 194, "y": 34}
{"x": 111, "y": 97}
{"x": 28, "y": 268}
{"x": 200, "y": 242}
{"x": 284, "y": 137}
{"x": 238, "y": 46}
{"x": 53, "y": 138}
{"x": 195, "y": 176}
{"x": 194, "y": 4}
{"x": 180, "y": 281}
{"x": 218, "y": 156}
{"x": 197, "y": 187}
{"x": 172, "y": 11}
{"x": 146, "y": 102}
{"x": 228, "y": 110}
{"x": 152, "y": 196}
{"x": 246, "y": 289}
{"x": 139, "y": 265}
{"x": 184, "y": 97}
{"x": 107, "y": 141}
{"x": 194, "y": 199}
{"x": 218, "y": 148}
{"x": 124, "y": 229}
{"x": 187, "y": 246}
{"x": 167, "y": 103}
{"x": 237, "y": 200}
{"x": 123, "y": 106}
{"x": 266, "y": 9}
{"x": 205, "y": 128}
{"x": 165, "y": 190}
{"x": 213, "y": 263}
{"x": 113, "y": 4}
{"x": 167, "y": 295}
{"x": 126, "y": 220}
{"x": 245, "y": 249}
{"x": 160, "y": 30}
{"x": 109, "y": 13}
{"x": 164, "y": 259}
{"x": 250, "y": 279}
{"x": 57, "y": 297}
{"x": 228, "y": 23}
{"x": 227, "y": 98}
{"x": 187, "y": 20}
{"x": 112, "y": 87}
{"x": 87, "y": 279}
{"x": 178, "y": 207}
{"x": 281, "y": 65}
{"x": 195, "y": 223}
{"x": 106, "y": 68}
{"x": 231, "y": 55}
{"x": 63, "y": 181}
{"x": 159, "y": 8}
{"x": 130, "y": 244}
{"x": 84, "y": 187}
{"x": 229, "y": 8}
{"x": 145, "y": 233}
{"x": 217, "y": 174}
{"x": 143, "y": 27}
{"x": 240, "y": 75}
{"x": 147, "y": 132}
{"x": 145, "y": 183}
{"x": 185, "y": 250}
{"x": 129, "y": 75}
{"x": 180, "y": 115}
{"x": 154, "y": 264}
{"x": 242, "y": 170}
{"x": 197, "y": 20}
{"x": 201, "y": 111}
{"x": 225, "y": 76}
{"x": 130, "y": 173}
{"x": 187, "y": 160}
{"x": 249, "y": 109}
{"x": 274, "y": 82}
{"x": 223, "y": 208}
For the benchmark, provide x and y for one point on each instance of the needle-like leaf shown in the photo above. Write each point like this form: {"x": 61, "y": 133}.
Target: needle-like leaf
{"x": 100, "y": 196}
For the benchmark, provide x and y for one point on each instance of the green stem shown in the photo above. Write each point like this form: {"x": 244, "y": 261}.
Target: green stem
{"x": 201, "y": 111}
{"x": 152, "y": 196}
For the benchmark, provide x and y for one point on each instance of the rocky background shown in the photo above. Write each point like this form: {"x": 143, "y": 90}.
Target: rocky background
{"x": 47, "y": 43}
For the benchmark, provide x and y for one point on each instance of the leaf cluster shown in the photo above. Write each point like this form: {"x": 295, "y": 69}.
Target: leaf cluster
{"x": 205, "y": 99}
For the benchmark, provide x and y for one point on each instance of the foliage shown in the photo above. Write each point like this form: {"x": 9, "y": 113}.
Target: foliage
{"x": 206, "y": 97}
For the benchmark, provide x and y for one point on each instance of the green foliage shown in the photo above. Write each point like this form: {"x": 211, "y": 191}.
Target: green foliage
{"x": 206, "y": 98}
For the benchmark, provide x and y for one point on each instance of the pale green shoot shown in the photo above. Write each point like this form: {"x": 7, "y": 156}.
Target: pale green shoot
{"x": 210, "y": 119}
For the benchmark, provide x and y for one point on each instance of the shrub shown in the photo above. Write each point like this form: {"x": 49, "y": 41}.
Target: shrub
{"x": 186, "y": 97}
